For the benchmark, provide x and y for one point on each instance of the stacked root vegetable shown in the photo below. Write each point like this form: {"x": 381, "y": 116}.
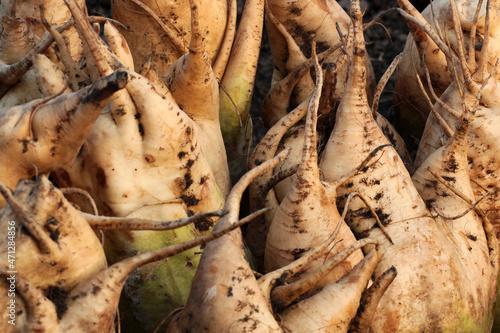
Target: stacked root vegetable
{"x": 125, "y": 156}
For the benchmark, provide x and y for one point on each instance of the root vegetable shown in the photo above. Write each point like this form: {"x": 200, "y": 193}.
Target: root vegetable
{"x": 23, "y": 91}
{"x": 97, "y": 296}
{"x": 316, "y": 312}
{"x": 55, "y": 248}
{"x": 225, "y": 296}
{"x": 311, "y": 313}
{"x": 11, "y": 73}
{"x": 44, "y": 135}
{"x": 194, "y": 87}
{"x": 440, "y": 55}
{"x": 16, "y": 39}
{"x": 278, "y": 98}
{"x": 265, "y": 150}
{"x": 280, "y": 40}
{"x": 483, "y": 148}
{"x": 143, "y": 159}
{"x": 59, "y": 242}
{"x": 236, "y": 87}
{"x": 167, "y": 39}
{"x": 56, "y": 12}
{"x": 118, "y": 45}
{"x": 309, "y": 21}
{"x": 308, "y": 213}
{"x": 369, "y": 302}
{"x": 426, "y": 257}
{"x": 49, "y": 79}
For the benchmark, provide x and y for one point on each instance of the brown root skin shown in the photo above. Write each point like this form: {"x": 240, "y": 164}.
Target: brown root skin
{"x": 44, "y": 135}
{"x": 225, "y": 295}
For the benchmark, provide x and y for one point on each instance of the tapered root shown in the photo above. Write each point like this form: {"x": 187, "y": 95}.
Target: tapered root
{"x": 282, "y": 296}
{"x": 369, "y": 301}
{"x": 114, "y": 223}
{"x": 383, "y": 82}
{"x": 279, "y": 276}
{"x": 44, "y": 243}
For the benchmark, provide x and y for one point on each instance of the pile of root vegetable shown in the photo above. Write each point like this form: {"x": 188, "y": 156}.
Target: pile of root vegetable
{"x": 133, "y": 200}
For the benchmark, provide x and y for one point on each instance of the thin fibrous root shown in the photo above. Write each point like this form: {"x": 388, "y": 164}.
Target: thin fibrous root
{"x": 275, "y": 179}
{"x": 76, "y": 76}
{"x": 383, "y": 82}
{"x": 74, "y": 190}
{"x": 490, "y": 232}
{"x": 379, "y": 223}
{"x": 144, "y": 258}
{"x": 456, "y": 217}
{"x": 444, "y": 125}
{"x": 472, "y": 41}
{"x": 113, "y": 223}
